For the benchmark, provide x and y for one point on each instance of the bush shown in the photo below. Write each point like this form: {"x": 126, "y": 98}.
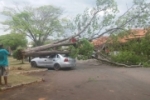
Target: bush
{"x": 126, "y": 57}
{"x": 134, "y": 51}
{"x": 146, "y": 64}
{"x": 73, "y": 51}
{"x": 17, "y": 54}
{"x": 82, "y": 50}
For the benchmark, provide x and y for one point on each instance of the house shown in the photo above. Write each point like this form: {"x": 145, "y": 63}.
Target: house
{"x": 99, "y": 42}
{"x": 133, "y": 34}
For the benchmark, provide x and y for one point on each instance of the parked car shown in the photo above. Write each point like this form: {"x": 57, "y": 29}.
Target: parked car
{"x": 55, "y": 61}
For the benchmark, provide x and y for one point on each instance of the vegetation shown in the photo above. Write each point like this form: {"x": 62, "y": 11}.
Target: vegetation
{"x": 13, "y": 40}
{"x": 82, "y": 50}
{"x": 16, "y": 66}
{"x": 17, "y": 54}
{"x": 36, "y": 23}
{"x": 133, "y": 52}
{"x": 42, "y": 22}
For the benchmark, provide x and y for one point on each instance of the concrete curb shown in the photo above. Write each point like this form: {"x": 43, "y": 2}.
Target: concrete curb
{"x": 22, "y": 84}
{"x": 31, "y": 71}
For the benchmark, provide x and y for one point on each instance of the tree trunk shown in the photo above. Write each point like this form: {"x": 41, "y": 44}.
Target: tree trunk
{"x": 44, "y": 53}
{"x": 34, "y": 51}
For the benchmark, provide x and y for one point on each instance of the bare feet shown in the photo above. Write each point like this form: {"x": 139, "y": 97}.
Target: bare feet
{"x": 1, "y": 84}
{"x": 7, "y": 85}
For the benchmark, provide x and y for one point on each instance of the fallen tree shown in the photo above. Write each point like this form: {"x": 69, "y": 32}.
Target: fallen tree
{"x": 116, "y": 63}
{"x": 93, "y": 23}
{"x": 44, "y": 53}
{"x": 90, "y": 22}
{"x": 29, "y": 52}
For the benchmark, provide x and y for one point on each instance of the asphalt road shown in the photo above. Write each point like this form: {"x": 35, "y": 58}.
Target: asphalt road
{"x": 89, "y": 81}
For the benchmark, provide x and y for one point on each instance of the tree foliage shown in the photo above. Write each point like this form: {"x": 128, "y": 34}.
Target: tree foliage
{"x": 13, "y": 40}
{"x": 36, "y": 23}
{"x": 82, "y": 50}
{"x": 17, "y": 54}
{"x": 92, "y": 21}
{"x": 103, "y": 19}
{"x": 136, "y": 51}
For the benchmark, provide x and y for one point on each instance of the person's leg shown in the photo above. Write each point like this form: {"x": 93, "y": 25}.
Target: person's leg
{"x": 6, "y": 70}
{"x": 1, "y": 72}
{"x": 0, "y": 80}
{"x": 5, "y": 80}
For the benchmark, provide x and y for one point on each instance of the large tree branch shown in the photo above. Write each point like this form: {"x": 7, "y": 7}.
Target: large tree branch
{"x": 86, "y": 26}
{"x": 40, "y": 48}
{"x": 47, "y": 34}
{"x": 118, "y": 64}
{"x": 44, "y": 53}
{"x": 30, "y": 32}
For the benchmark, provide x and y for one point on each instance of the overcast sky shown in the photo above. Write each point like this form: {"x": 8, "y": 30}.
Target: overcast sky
{"x": 71, "y": 7}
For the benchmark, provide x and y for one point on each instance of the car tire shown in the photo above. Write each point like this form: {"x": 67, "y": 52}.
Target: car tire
{"x": 56, "y": 67}
{"x": 33, "y": 64}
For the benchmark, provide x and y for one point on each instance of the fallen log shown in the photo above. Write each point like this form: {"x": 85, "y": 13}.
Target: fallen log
{"x": 44, "y": 47}
{"x": 44, "y": 53}
{"x": 118, "y": 64}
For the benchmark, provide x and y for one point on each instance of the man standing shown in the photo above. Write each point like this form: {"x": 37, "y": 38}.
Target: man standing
{"x": 3, "y": 65}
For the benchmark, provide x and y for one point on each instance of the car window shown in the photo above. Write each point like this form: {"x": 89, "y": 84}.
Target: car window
{"x": 52, "y": 56}
{"x": 64, "y": 55}
{"x": 57, "y": 56}
{"x": 42, "y": 56}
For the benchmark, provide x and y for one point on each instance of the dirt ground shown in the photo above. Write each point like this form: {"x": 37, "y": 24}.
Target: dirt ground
{"x": 88, "y": 81}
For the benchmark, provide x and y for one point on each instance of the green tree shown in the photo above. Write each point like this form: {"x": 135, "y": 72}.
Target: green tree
{"x": 105, "y": 18}
{"x": 36, "y": 23}
{"x": 13, "y": 40}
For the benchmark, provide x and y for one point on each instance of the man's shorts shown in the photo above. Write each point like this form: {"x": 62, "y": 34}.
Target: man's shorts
{"x": 4, "y": 71}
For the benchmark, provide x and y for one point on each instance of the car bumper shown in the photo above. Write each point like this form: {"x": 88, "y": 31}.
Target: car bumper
{"x": 68, "y": 65}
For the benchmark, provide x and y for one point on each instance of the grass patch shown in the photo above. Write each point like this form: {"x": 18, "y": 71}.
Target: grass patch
{"x": 16, "y": 66}
{"x": 20, "y": 79}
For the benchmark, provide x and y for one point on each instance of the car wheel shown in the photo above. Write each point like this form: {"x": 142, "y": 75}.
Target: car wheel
{"x": 33, "y": 64}
{"x": 56, "y": 66}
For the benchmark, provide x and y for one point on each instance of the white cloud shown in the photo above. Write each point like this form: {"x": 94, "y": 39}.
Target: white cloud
{"x": 2, "y": 5}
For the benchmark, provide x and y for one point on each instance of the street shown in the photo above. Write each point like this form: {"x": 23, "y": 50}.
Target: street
{"x": 88, "y": 81}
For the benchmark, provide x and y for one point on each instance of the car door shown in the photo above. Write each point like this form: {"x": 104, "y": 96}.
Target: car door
{"x": 50, "y": 60}
{"x": 43, "y": 61}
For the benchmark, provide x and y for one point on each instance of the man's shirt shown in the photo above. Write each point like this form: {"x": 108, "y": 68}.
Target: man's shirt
{"x": 3, "y": 57}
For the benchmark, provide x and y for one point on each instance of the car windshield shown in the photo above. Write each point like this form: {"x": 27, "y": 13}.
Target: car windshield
{"x": 64, "y": 55}
{"x": 52, "y": 56}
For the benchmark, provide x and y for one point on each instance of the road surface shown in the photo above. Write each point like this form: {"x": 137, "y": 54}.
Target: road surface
{"x": 89, "y": 81}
